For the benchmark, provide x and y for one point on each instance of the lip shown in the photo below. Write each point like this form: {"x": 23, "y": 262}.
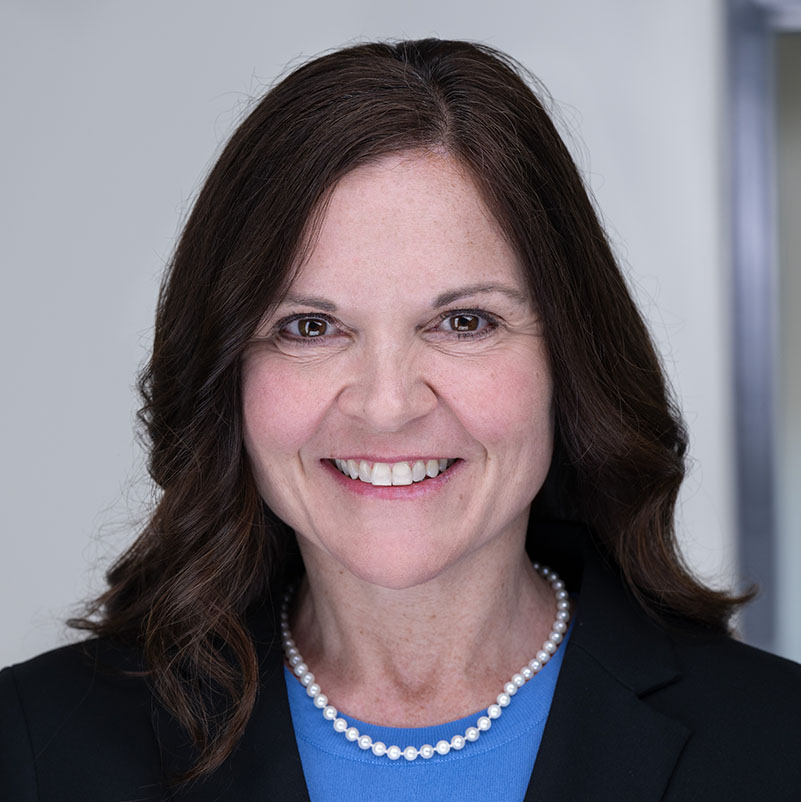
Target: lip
{"x": 392, "y": 492}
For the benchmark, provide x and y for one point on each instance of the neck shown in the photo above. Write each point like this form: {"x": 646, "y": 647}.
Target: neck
{"x": 426, "y": 654}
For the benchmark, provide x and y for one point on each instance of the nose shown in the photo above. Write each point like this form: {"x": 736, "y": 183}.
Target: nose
{"x": 387, "y": 389}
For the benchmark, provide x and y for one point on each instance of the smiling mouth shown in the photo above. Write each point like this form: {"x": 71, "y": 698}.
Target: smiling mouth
{"x": 387, "y": 474}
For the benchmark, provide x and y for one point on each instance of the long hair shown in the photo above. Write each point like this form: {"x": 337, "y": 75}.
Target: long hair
{"x": 211, "y": 548}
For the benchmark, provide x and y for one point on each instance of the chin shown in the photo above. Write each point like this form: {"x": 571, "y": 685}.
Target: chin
{"x": 400, "y": 567}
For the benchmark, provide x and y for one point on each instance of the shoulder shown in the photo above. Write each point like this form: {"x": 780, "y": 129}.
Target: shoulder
{"x": 742, "y": 709}
{"x": 69, "y": 716}
{"x": 76, "y": 682}
{"x": 729, "y": 657}
{"x": 724, "y": 715}
{"x": 729, "y": 678}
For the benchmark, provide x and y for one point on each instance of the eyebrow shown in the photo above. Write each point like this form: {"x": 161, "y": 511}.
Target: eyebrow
{"x": 443, "y": 299}
{"x": 450, "y": 296}
{"x": 309, "y": 300}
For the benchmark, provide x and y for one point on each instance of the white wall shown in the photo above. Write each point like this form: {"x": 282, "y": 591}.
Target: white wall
{"x": 112, "y": 113}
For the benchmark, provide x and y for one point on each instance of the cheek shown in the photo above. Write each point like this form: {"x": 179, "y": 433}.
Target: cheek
{"x": 281, "y": 409}
{"x": 508, "y": 405}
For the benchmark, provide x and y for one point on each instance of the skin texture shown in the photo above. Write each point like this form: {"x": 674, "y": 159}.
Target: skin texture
{"x": 401, "y": 579}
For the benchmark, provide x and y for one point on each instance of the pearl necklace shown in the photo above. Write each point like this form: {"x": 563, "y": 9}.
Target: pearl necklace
{"x": 458, "y": 741}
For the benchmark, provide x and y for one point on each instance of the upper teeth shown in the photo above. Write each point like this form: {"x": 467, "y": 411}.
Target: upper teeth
{"x": 383, "y": 474}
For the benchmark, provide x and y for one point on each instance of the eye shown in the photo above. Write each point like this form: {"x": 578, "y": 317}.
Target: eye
{"x": 306, "y": 328}
{"x": 467, "y": 323}
{"x": 464, "y": 323}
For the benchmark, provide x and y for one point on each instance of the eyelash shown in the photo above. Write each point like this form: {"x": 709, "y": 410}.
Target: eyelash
{"x": 491, "y": 324}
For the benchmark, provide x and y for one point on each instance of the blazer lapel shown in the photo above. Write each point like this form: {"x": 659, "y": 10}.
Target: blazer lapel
{"x": 602, "y": 740}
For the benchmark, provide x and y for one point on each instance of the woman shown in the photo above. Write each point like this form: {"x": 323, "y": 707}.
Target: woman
{"x": 392, "y": 350}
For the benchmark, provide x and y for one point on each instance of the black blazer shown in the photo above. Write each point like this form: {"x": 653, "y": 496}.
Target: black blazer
{"x": 639, "y": 714}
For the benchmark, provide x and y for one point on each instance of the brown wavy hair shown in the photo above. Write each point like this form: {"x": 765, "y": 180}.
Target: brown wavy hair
{"x": 211, "y": 548}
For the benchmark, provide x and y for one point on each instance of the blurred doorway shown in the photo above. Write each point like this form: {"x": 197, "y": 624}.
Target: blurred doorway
{"x": 765, "y": 105}
{"x": 787, "y": 65}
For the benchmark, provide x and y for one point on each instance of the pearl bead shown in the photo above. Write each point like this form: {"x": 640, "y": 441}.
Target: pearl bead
{"x": 527, "y": 673}
{"x": 546, "y": 572}
{"x": 340, "y": 725}
{"x": 563, "y": 604}
{"x": 307, "y": 679}
{"x": 519, "y": 680}
{"x": 300, "y": 669}
{"x": 313, "y": 689}
{"x": 483, "y": 724}
{"x": 494, "y": 711}
{"x": 563, "y": 615}
{"x": 557, "y": 584}
{"x": 379, "y": 748}
{"x": 503, "y": 699}
{"x": 321, "y": 701}
{"x": 555, "y": 637}
{"x": 510, "y": 688}
{"x": 443, "y": 747}
{"x": 295, "y": 659}
{"x": 535, "y": 665}
{"x": 352, "y": 734}
{"x": 543, "y": 656}
{"x": 426, "y": 751}
{"x": 330, "y": 712}
{"x": 560, "y": 626}
{"x": 292, "y": 652}
{"x": 471, "y": 734}
{"x": 457, "y": 742}
{"x": 410, "y": 753}
{"x": 549, "y": 646}
{"x": 561, "y": 594}
{"x": 394, "y": 752}
{"x": 365, "y": 741}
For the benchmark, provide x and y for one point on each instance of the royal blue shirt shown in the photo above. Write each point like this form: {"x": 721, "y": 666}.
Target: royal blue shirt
{"x": 495, "y": 768}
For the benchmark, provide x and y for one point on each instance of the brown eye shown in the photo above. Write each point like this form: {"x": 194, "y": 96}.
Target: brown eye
{"x": 464, "y": 322}
{"x": 311, "y": 327}
{"x": 467, "y": 324}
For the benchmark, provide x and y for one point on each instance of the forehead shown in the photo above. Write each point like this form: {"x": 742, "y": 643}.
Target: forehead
{"x": 408, "y": 219}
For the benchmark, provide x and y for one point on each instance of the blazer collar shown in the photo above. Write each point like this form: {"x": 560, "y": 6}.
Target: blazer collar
{"x": 602, "y": 740}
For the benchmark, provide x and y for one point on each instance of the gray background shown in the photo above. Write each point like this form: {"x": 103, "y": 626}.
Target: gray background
{"x": 112, "y": 114}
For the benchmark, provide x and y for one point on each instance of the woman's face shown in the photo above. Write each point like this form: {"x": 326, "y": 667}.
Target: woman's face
{"x": 408, "y": 339}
